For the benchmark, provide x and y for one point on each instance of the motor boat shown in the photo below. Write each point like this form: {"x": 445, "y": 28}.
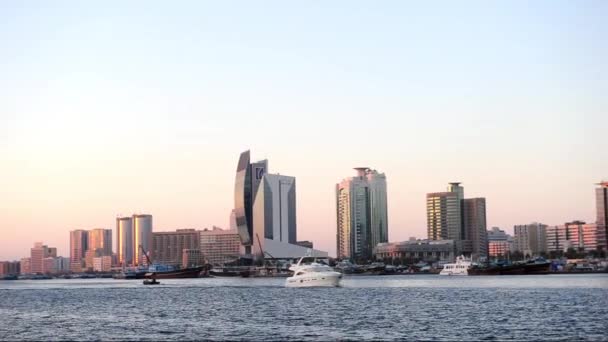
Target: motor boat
{"x": 459, "y": 268}
{"x": 313, "y": 274}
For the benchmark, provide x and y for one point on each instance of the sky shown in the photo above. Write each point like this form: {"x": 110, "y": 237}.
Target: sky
{"x": 111, "y": 108}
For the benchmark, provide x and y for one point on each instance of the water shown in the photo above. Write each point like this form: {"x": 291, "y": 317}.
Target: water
{"x": 421, "y": 307}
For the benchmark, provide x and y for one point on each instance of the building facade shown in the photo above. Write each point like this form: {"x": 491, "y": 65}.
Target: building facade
{"x": 168, "y": 247}
{"x": 362, "y": 215}
{"x": 417, "y": 250}
{"x": 142, "y": 238}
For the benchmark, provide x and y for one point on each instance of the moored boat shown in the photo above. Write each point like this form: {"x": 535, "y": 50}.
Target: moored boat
{"x": 459, "y": 268}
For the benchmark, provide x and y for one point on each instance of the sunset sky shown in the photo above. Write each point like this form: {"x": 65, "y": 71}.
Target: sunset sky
{"x": 115, "y": 107}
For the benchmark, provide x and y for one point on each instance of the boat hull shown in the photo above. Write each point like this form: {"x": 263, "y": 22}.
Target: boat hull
{"x": 518, "y": 269}
{"x": 193, "y": 272}
{"x": 317, "y": 279}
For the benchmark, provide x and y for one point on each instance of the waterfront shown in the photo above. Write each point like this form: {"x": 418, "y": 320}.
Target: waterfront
{"x": 427, "y": 307}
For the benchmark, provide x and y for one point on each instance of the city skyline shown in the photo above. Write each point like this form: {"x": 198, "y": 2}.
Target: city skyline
{"x": 109, "y": 110}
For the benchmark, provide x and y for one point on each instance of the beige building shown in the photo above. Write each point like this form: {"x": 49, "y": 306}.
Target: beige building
{"x": 78, "y": 249}
{"x": 219, "y": 246}
{"x": 421, "y": 250}
{"x": 530, "y": 239}
{"x": 25, "y": 266}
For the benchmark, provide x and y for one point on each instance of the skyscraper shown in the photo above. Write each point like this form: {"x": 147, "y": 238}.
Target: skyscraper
{"x": 78, "y": 248}
{"x": 452, "y": 217}
{"x": 248, "y": 178}
{"x": 362, "y": 217}
{"x": 124, "y": 240}
{"x": 274, "y": 211}
{"x": 474, "y": 210}
{"x": 100, "y": 238}
{"x": 142, "y": 237}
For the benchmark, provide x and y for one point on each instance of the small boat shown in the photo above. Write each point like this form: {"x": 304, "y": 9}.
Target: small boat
{"x": 459, "y": 268}
{"x": 152, "y": 281}
{"x": 313, "y": 275}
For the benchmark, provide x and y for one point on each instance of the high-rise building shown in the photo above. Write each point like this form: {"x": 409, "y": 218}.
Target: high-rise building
{"x": 100, "y": 239}
{"x": 124, "y": 240}
{"x": 601, "y": 202}
{"x": 530, "y": 239}
{"x": 168, "y": 247}
{"x": 218, "y": 246}
{"x": 274, "y": 211}
{"x": 474, "y": 210}
{"x": 444, "y": 214}
{"x": 78, "y": 249}
{"x": 142, "y": 238}
{"x": 265, "y": 206}
{"x": 362, "y": 216}
{"x": 248, "y": 178}
{"x": 452, "y": 217}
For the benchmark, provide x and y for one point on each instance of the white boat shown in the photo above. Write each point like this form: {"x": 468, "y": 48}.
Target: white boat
{"x": 312, "y": 275}
{"x": 459, "y": 268}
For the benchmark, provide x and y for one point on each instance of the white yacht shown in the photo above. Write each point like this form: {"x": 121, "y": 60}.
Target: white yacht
{"x": 312, "y": 275}
{"x": 459, "y": 268}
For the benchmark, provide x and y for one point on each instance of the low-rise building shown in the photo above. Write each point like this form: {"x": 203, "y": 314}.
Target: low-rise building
{"x": 26, "y": 267}
{"x": 420, "y": 250}
{"x": 499, "y": 242}
{"x": 102, "y": 263}
{"x": 168, "y": 247}
{"x": 220, "y": 246}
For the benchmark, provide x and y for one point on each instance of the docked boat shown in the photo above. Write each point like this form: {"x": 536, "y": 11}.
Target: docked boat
{"x": 537, "y": 266}
{"x": 168, "y": 272}
{"x": 459, "y": 268}
{"x": 151, "y": 282}
{"x": 313, "y": 275}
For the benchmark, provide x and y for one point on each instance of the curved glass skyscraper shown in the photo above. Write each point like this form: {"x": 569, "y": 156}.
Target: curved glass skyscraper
{"x": 248, "y": 178}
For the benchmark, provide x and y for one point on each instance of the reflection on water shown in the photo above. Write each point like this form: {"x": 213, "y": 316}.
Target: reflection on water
{"x": 562, "y": 307}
